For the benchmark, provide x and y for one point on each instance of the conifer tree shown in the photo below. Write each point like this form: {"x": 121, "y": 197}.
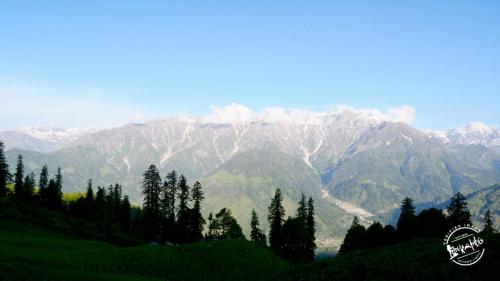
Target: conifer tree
{"x": 295, "y": 241}
{"x": 4, "y": 171}
{"x": 354, "y": 238}
{"x": 151, "y": 190}
{"x": 213, "y": 228}
{"x": 125, "y": 220}
{"x": 29, "y": 187}
{"x": 89, "y": 197}
{"x": 169, "y": 192}
{"x": 275, "y": 217}
{"x": 43, "y": 184}
{"x": 311, "y": 225}
{"x": 488, "y": 223}
{"x": 302, "y": 210}
{"x": 256, "y": 234}
{"x": 18, "y": 179}
{"x": 229, "y": 227}
{"x": 458, "y": 212}
{"x": 198, "y": 220}
{"x": 53, "y": 199}
{"x": 184, "y": 221}
{"x": 407, "y": 220}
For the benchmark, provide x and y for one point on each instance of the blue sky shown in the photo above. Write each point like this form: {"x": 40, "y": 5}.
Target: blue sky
{"x": 103, "y": 64}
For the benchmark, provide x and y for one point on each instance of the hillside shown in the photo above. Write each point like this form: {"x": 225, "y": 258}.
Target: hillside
{"x": 415, "y": 260}
{"x": 29, "y": 252}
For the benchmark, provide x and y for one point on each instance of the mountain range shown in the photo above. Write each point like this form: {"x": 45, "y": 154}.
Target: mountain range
{"x": 348, "y": 162}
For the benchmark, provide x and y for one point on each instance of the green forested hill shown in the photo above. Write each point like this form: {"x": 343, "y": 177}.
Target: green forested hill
{"x": 29, "y": 252}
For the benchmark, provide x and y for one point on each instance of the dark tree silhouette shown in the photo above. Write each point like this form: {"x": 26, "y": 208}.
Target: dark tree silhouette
{"x": 213, "y": 228}
{"x": 29, "y": 187}
{"x": 431, "y": 223}
{"x": 183, "y": 224}
{"x": 389, "y": 235}
{"x": 406, "y": 225}
{"x": 302, "y": 210}
{"x": 488, "y": 228}
{"x": 375, "y": 235}
{"x": 18, "y": 179}
{"x": 197, "y": 218}
{"x": 275, "y": 218}
{"x": 151, "y": 190}
{"x": 124, "y": 215}
{"x": 43, "y": 185}
{"x": 228, "y": 226}
{"x": 89, "y": 197}
{"x": 256, "y": 234}
{"x": 296, "y": 237}
{"x": 355, "y": 238}
{"x": 311, "y": 225}
{"x": 169, "y": 193}
{"x": 458, "y": 212}
{"x": 4, "y": 171}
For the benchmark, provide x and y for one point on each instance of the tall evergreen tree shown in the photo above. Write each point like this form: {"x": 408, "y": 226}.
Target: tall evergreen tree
{"x": 311, "y": 225}
{"x": 19, "y": 179}
{"x": 488, "y": 223}
{"x": 169, "y": 192}
{"x": 89, "y": 197}
{"x": 4, "y": 171}
{"x": 198, "y": 220}
{"x": 275, "y": 217}
{"x": 213, "y": 228}
{"x": 295, "y": 241}
{"x": 43, "y": 185}
{"x": 407, "y": 220}
{"x": 256, "y": 234}
{"x": 458, "y": 212}
{"x": 29, "y": 186}
{"x": 355, "y": 238}
{"x": 125, "y": 219}
{"x": 229, "y": 227}
{"x": 151, "y": 190}
{"x": 302, "y": 210}
{"x": 53, "y": 199}
{"x": 184, "y": 218}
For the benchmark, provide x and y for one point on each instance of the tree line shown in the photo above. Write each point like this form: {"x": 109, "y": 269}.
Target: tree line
{"x": 428, "y": 223}
{"x": 171, "y": 211}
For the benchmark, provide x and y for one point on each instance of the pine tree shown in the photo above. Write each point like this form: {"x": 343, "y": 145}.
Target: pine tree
{"x": 355, "y": 238}
{"x": 375, "y": 235}
{"x": 125, "y": 220}
{"x": 29, "y": 187}
{"x": 488, "y": 223}
{"x": 407, "y": 220}
{"x": 57, "y": 192}
{"x": 151, "y": 190}
{"x": 302, "y": 210}
{"x": 52, "y": 195}
{"x": 213, "y": 228}
{"x": 295, "y": 239}
{"x": 4, "y": 171}
{"x": 18, "y": 179}
{"x": 458, "y": 212}
{"x": 43, "y": 185}
{"x": 169, "y": 192}
{"x": 184, "y": 221}
{"x": 311, "y": 226}
{"x": 229, "y": 227}
{"x": 275, "y": 217}
{"x": 256, "y": 234}
{"x": 89, "y": 197}
{"x": 199, "y": 221}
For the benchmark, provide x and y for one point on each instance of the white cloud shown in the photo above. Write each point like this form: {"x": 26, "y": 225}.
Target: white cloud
{"x": 404, "y": 114}
{"x": 233, "y": 113}
{"x": 237, "y": 113}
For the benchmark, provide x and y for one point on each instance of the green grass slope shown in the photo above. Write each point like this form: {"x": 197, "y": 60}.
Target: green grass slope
{"x": 424, "y": 260}
{"x": 29, "y": 252}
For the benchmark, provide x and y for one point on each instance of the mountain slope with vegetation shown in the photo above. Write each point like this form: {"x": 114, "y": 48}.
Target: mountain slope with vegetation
{"x": 31, "y": 252}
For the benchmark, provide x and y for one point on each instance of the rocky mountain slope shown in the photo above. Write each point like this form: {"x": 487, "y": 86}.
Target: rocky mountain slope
{"x": 350, "y": 163}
